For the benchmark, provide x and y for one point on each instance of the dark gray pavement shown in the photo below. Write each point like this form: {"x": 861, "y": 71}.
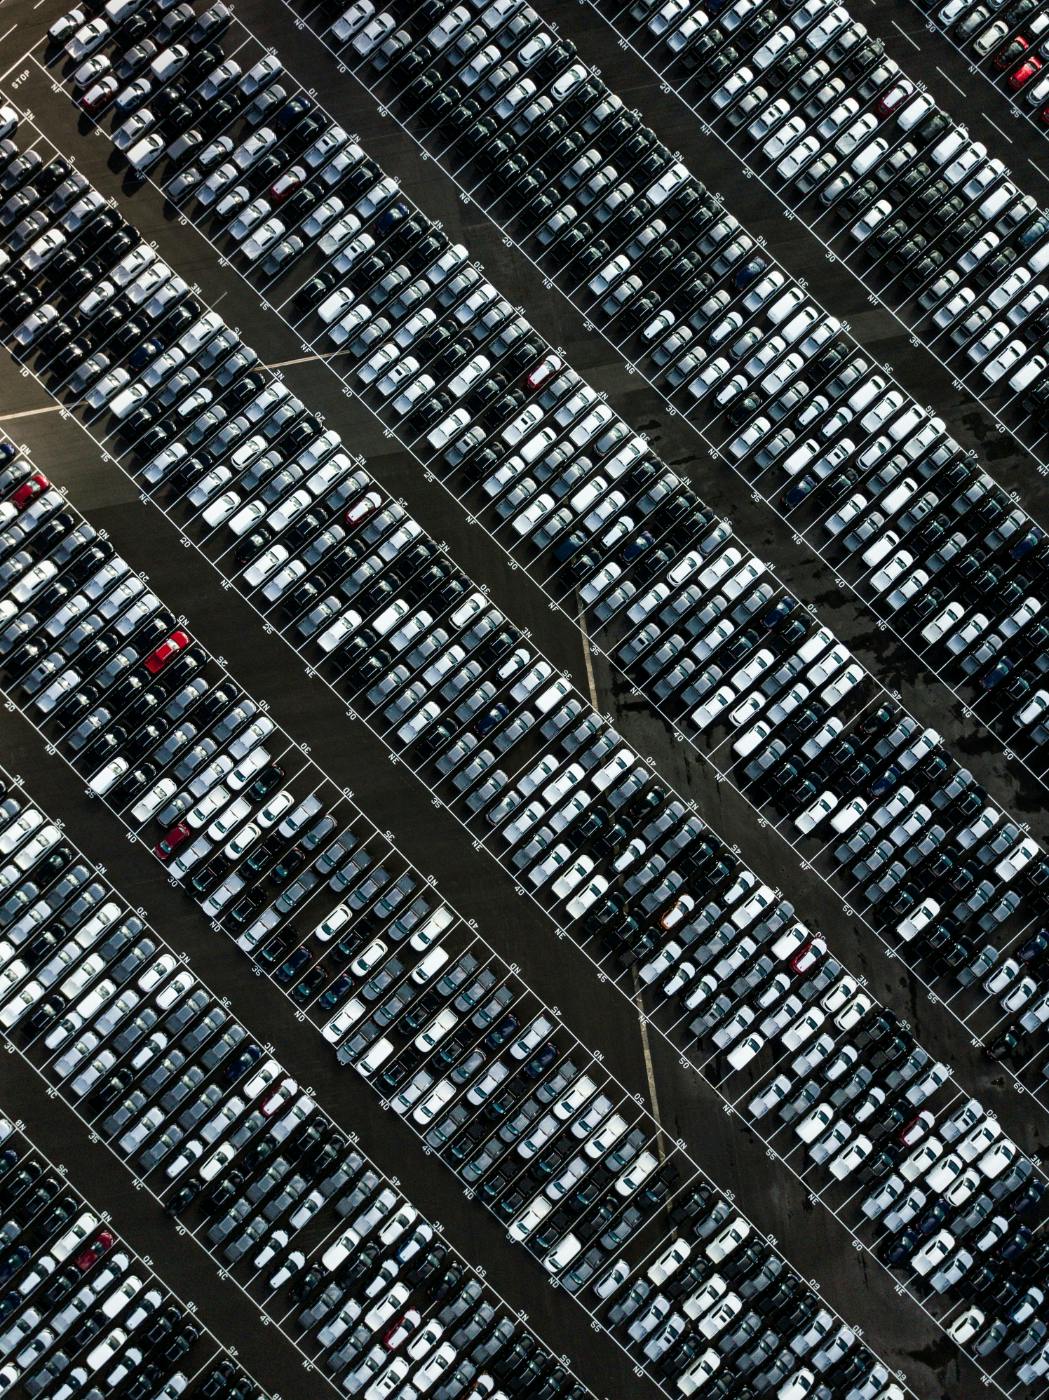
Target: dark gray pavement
{"x": 815, "y": 1243}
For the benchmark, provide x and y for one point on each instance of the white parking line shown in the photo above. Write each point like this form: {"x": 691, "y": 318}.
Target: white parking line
{"x": 318, "y": 358}
{"x": 949, "y": 79}
{"x": 31, "y": 412}
{"x": 913, "y": 42}
{"x": 642, "y": 1017}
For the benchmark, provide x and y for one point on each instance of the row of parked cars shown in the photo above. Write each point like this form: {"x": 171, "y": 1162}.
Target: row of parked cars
{"x": 163, "y": 1072}
{"x": 81, "y": 1315}
{"x": 950, "y": 1196}
{"x": 1008, "y": 44}
{"x": 381, "y": 948}
{"x": 708, "y": 1279}
{"x": 825, "y": 116}
{"x": 451, "y": 1041}
{"x": 709, "y": 603}
{"x": 733, "y": 342}
{"x": 166, "y": 1075}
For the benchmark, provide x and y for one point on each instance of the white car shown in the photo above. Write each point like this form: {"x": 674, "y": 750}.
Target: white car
{"x": 816, "y": 812}
{"x": 745, "y": 1050}
{"x": 718, "y": 1318}
{"x": 918, "y": 919}
{"x": 704, "y": 715}
{"x": 434, "y": 1102}
{"x": 933, "y": 1253}
{"x": 850, "y": 1157}
{"x": 270, "y": 559}
{"x": 783, "y": 138}
{"x": 848, "y": 815}
{"x": 451, "y": 427}
{"x": 219, "y": 80}
{"x": 966, "y": 1325}
{"x": 43, "y": 249}
{"x": 853, "y": 1012}
{"x": 144, "y": 154}
{"x": 669, "y": 1261}
{"x": 87, "y": 39}
{"x": 354, "y": 18}
{"x": 562, "y": 1254}
{"x": 262, "y": 238}
{"x": 799, "y": 1386}
{"x": 729, "y": 1238}
{"x": 108, "y": 777}
{"x": 798, "y": 158}
{"x": 694, "y": 1380}
{"x": 815, "y": 1123}
{"x": 613, "y": 1280}
{"x": 803, "y": 1028}
{"x": 343, "y": 1020}
{"x": 374, "y": 1057}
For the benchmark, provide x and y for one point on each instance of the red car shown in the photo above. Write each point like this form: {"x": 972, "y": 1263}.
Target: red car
{"x": 161, "y": 655}
{"x": 172, "y": 840}
{"x": 1043, "y": 115}
{"x": 893, "y": 97}
{"x": 30, "y": 489}
{"x": 1025, "y": 72}
{"x": 277, "y": 1096}
{"x": 94, "y": 1252}
{"x": 808, "y": 954}
{"x": 681, "y": 907}
{"x": 100, "y": 94}
{"x": 366, "y": 505}
{"x": 286, "y": 184}
{"x": 916, "y": 1129}
{"x": 401, "y": 1328}
{"x": 547, "y": 367}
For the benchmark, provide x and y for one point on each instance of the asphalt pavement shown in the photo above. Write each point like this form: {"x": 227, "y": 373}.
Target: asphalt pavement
{"x": 394, "y": 799}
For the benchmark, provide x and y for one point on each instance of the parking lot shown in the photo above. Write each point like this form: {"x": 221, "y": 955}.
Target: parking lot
{"x": 680, "y": 1078}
